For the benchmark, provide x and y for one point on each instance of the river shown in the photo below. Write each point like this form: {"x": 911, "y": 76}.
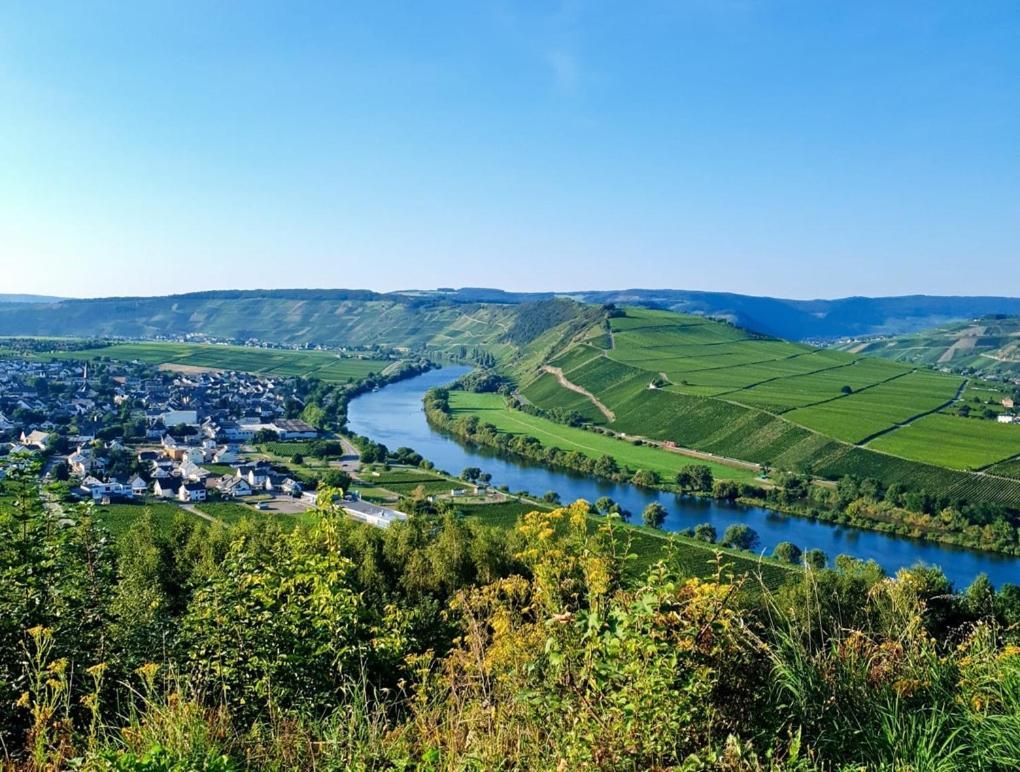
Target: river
{"x": 394, "y": 416}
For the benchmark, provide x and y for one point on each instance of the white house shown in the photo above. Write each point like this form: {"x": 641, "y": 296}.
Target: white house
{"x": 36, "y": 439}
{"x": 81, "y": 461}
{"x": 166, "y": 487}
{"x": 1007, "y": 419}
{"x": 234, "y": 486}
{"x": 138, "y": 486}
{"x": 191, "y": 491}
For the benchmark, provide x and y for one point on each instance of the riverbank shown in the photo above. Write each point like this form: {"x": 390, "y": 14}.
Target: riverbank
{"x": 395, "y": 416}
{"x": 487, "y": 419}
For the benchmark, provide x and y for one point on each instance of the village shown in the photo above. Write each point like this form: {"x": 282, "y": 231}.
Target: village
{"x": 129, "y": 432}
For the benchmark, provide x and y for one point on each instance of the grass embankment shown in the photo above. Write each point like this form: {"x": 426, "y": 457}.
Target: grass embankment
{"x": 492, "y": 408}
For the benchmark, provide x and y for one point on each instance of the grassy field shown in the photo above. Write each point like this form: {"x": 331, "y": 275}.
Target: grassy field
{"x": 961, "y": 443}
{"x": 492, "y": 408}
{"x": 324, "y": 365}
{"x": 404, "y": 482}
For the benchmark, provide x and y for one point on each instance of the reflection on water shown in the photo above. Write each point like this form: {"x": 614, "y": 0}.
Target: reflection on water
{"x": 394, "y": 416}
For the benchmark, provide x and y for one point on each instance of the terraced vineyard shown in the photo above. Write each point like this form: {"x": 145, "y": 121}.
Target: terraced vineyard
{"x": 713, "y": 387}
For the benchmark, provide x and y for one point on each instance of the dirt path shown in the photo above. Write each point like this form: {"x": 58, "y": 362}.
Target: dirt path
{"x": 196, "y": 511}
{"x": 579, "y": 390}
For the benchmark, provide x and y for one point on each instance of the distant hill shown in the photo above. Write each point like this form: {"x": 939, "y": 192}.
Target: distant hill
{"x": 784, "y": 318}
{"x": 354, "y": 317}
{"x": 987, "y": 346}
{"x": 28, "y": 298}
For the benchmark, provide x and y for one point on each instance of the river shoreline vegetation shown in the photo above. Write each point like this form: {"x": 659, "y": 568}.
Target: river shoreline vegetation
{"x": 445, "y": 643}
{"x": 853, "y": 502}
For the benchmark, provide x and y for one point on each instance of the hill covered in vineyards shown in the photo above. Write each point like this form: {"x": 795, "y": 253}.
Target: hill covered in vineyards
{"x": 988, "y": 346}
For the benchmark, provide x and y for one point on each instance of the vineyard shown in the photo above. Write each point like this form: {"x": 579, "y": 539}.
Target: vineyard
{"x": 960, "y": 443}
{"x": 737, "y": 395}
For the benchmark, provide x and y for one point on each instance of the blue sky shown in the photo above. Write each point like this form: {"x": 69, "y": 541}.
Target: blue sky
{"x": 802, "y": 149}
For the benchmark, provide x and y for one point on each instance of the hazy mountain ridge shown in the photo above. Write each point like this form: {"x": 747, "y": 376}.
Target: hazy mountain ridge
{"x": 356, "y": 317}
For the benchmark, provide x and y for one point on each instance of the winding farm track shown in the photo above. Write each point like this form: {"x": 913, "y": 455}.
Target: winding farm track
{"x": 566, "y": 384}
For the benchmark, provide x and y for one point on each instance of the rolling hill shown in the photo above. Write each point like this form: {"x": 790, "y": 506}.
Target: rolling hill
{"x": 348, "y": 317}
{"x": 987, "y": 346}
{"x": 720, "y": 389}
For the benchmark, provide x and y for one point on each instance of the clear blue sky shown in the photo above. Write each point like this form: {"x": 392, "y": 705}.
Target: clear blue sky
{"x": 802, "y": 149}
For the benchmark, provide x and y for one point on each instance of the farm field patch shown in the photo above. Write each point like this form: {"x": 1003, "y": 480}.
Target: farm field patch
{"x": 959, "y": 443}
{"x": 855, "y": 417}
{"x": 492, "y": 409}
{"x": 324, "y": 365}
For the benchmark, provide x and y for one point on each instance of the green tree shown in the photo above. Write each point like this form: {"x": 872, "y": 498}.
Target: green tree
{"x": 654, "y": 515}
{"x": 740, "y": 536}
{"x": 705, "y": 532}
{"x": 788, "y": 552}
{"x": 816, "y": 559}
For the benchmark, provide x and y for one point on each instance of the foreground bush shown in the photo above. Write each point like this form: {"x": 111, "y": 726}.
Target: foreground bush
{"x": 440, "y": 645}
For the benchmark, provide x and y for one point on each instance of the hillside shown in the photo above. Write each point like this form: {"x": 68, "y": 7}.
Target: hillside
{"x": 987, "y": 346}
{"x": 358, "y": 317}
{"x": 334, "y": 318}
{"x": 718, "y": 388}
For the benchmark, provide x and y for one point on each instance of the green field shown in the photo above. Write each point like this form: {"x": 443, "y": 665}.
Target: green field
{"x": 324, "y": 365}
{"x": 118, "y": 518}
{"x": 404, "y": 482}
{"x": 491, "y": 408}
{"x": 961, "y": 443}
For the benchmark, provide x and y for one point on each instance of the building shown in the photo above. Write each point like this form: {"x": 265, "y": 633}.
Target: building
{"x": 234, "y": 487}
{"x": 167, "y": 487}
{"x": 191, "y": 491}
{"x": 293, "y": 429}
{"x": 138, "y": 486}
{"x": 1008, "y": 403}
{"x": 36, "y": 439}
{"x": 1007, "y": 419}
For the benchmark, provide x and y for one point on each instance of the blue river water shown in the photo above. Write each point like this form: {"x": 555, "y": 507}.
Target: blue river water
{"x": 394, "y": 416}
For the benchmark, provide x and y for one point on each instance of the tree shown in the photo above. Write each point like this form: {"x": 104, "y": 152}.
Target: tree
{"x": 606, "y": 466}
{"x": 846, "y": 390}
{"x": 703, "y": 477}
{"x": 788, "y": 552}
{"x": 815, "y": 559}
{"x": 471, "y": 474}
{"x": 604, "y": 504}
{"x": 336, "y": 478}
{"x": 706, "y": 532}
{"x": 297, "y": 458}
{"x": 684, "y": 479}
{"x": 694, "y": 477}
{"x": 654, "y": 515}
{"x": 551, "y": 497}
{"x": 740, "y": 536}
{"x": 646, "y": 478}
